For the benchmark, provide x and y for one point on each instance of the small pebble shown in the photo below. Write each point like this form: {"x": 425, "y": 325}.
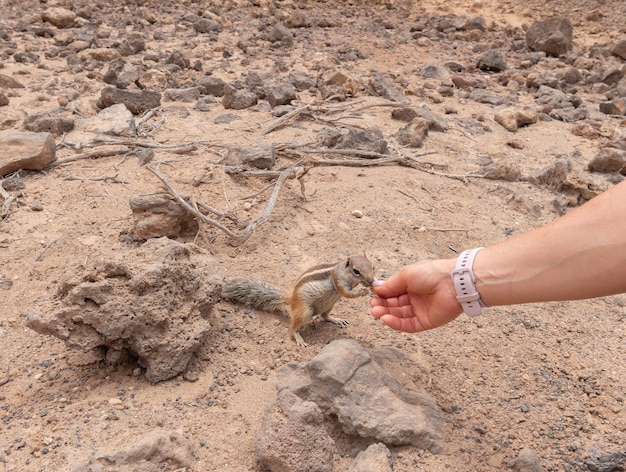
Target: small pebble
{"x": 36, "y": 206}
{"x": 357, "y": 213}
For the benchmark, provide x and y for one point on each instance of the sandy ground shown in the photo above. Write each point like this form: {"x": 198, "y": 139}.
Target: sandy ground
{"x": 548, "y": 377}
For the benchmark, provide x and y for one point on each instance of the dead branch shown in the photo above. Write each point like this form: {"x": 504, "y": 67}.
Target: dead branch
{"x": 175, "y": 148}
{"x": 7, "y": 376}
{"x": 291, "y": 116}
{"x": 92, "y": 154}
{"x": 427, "y": 228}
{"x": 104, "y": 178}
{"x": 8, "y": 200}
{"x": 45, "y": 248}
{"x": 291, "y": 172}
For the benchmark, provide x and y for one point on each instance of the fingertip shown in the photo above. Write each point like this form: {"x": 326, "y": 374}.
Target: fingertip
{"x": 377, "y": 282}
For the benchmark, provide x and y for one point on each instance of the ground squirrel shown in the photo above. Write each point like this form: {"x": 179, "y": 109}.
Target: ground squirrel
{"x": 314, "y": 294}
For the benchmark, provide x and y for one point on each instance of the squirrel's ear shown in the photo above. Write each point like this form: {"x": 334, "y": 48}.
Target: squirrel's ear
{"x": 347, "y": 262}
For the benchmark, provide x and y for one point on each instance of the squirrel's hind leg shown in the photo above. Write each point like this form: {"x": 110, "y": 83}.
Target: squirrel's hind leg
{"x": 300, "y": 315}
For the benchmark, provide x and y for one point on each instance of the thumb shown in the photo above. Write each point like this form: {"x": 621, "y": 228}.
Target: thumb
{"x": 394, "y": 286}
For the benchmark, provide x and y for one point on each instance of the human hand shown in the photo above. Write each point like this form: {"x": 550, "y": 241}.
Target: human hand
{"x": 420, "y": 297}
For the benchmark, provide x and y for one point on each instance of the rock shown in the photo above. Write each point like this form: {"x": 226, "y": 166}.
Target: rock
{"x": 405, "y": 114}
{"x": 154, "y": 79}
{"x": 526, "y": 461}
{"x": 552, "y": 99}
{"x": 132, "y": 44}
{"x": 158, "y": 449}
{"x": 187, "y": 95}
{"x": 280, "y": 33}
{"x": 608, "y": 160}
{"x": 158, "y": 215}
{"x": 99, "y": 54}
{"x": 238, "y": 99}
{"x": 560, "y": 177}
{"x": 586, "y": 130}
{"x": 136, "y": 102}
{"x": 46, "y": 123}
{"x": 205, "y": 25}
{"x": 570, "y": 114}
{"x": 611, "y": 76}
{"x": 552, "y": 36}
{"x": 7, "y": 81}
{"x": 292, "y": 437}
{"x": 598, "y": 462}
{"x": 4, "y": 100}
{"x": 383, "y": 86}
{"x": 25, "y": 150}
{"x": 376, "y": 457}
{"x": 116, "y": 120}
{"x": 619, "y": 49}
{"x": 366, "y": 140}
{"x": 463, "y": 82}
{"x": 435, "y": 122}
{"x": 59, "y": 17}
{"x": 282, "y": 94}
{"x": 178, "y": 59}
{"x": 121, "y": 74}
{"x": 226, "y": 118}
{"x": 503, "y": 169}
{"x": 414, "y": 133}
{"x": 302, "y": 81}
{"x": 151, "y": 301}
{"x": 359, "y": 396}
{"x": 614, "y": 107}
{"x": 486, "y": 96}
{"x": 513, "y": 118}
{"x": 211, "y": 86}
{"x": 435, "y": 72}
{"x": 491, "y": 61}
{"x": 260, "y": 157}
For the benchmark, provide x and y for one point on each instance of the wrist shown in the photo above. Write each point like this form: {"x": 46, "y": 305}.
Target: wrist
{"x": 464, "y": 282}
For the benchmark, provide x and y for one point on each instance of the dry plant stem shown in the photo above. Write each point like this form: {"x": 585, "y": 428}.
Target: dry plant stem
{"x": 8, "y": 200}
{"x": 45, "y": 248}
{"x": 187, "y": 147}
{"x": 245, "y": 234}
{"x": 445, "y": 230}
{"x": 292, "y": 115}
{"x": 92, "y": 154}
{"x": 7, "y": 376}
{"x": 105, "y": 178}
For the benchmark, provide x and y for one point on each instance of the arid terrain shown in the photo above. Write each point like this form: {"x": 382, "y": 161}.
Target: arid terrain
{"x": 550, "y": 378}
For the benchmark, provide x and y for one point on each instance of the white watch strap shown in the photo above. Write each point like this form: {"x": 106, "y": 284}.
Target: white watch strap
{"x": 465, "y": 283}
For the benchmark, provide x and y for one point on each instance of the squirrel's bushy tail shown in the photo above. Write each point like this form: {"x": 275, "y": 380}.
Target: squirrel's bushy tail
{"x": 255, "y": 294}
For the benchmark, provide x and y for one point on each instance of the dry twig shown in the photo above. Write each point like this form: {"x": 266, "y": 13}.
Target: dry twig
{"x": 289, "y": 173}
{"x": 8, "y": 200}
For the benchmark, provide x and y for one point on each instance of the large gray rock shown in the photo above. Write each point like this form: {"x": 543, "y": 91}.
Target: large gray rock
{"x": 116, "y": 120}
{"x": 512, "y": 118}
{"x": 25, "y": 150}
{"x": 136, "y": 101}
{"x": 153, "y": 451}
{"x": 552, "y": 36}
{"x": 159, "y": 214}
{"x": 150, "y": 303}
{"x": 59, "y": 17}
{"x": 292, "y": 437}
{"x": 262, "y": 157}
{"x": 357, "y": 396}
{"x": 376, "y": 457}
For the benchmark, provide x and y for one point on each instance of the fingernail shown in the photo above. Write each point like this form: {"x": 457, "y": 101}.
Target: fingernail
{"x": 377, "y": 283}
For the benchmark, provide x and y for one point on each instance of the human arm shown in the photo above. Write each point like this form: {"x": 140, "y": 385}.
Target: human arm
{"x": 580, "y": 255}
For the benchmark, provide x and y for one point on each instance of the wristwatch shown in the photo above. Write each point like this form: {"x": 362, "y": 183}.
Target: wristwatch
{"x": 465, "y": 283}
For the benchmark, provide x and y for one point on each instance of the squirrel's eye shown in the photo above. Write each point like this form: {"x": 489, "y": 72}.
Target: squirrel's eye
{"x": 356, "y": 271}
